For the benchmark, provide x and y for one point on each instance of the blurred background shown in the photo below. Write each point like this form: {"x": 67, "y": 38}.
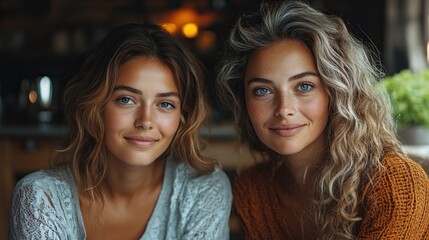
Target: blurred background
{"x": 39, "y": 40}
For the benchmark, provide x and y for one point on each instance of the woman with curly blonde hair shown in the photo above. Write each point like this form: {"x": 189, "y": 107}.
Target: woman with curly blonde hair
{"x": 303, "y": 93}
{"x": 133, "y": 168}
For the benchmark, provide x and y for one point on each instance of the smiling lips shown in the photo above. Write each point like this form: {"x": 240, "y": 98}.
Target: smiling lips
{"x": 142, "y": 142}
{"x": 287, "y": 130}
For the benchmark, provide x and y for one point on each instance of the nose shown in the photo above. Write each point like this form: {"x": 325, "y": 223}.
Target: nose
{"x": 143, "y": 118}
{"x": 285, "y": 106}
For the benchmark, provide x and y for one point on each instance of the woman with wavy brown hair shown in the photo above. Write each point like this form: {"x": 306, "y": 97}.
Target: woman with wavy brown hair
{"x": 133, "y": 168}
{"x": 303, "y": 92}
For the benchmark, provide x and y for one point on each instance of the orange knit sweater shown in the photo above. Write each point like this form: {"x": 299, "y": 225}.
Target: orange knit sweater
{"x": 395, "y": 207}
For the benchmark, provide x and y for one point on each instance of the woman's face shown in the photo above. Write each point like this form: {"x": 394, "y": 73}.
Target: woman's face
{"x": 143, "y": 113}
{"x": 286, "y": 100}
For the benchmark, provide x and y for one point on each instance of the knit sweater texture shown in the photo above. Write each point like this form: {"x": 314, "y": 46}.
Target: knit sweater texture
{"x": 394, "y": 206}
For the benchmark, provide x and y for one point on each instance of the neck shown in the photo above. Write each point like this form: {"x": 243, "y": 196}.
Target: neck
{"x": 125, "y": 183}
{"x": 294, "y": 181}
{"x": 296, "y": 174}
{"x": 303, "y": 165}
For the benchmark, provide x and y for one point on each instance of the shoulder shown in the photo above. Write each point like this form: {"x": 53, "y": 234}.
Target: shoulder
{"x": 47, "y": 182}
{"x": 45, "y": 205}
{"x": 399, "y": 180}
{"x": 402, "y": 169}
{"x": 396, "y": 201}
{"x": 47, "y": 177}
{"x": 216, "y": 183}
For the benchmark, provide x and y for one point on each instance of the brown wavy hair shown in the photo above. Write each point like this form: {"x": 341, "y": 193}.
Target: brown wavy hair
{"x": 360, "y": 128}
{"x": 89, "y": 89}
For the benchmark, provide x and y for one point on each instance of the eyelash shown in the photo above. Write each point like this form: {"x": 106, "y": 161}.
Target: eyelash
{"x": 129, "y": 100}
{"x": 170, "y": 107}
{"x": 310, "y": 85}
{"x": 257, "y": 90}
{"x": 121, "y": 99}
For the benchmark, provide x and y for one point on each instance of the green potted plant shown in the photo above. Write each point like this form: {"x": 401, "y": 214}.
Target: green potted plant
{"x": 409, "y": 94}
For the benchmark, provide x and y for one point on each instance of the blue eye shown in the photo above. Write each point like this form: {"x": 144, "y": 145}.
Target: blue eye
{"x": 304, "y": 87}
{"x": 261, "y": 91}
{"x": 167, "y": 105}
{"x": 124, "y": 100}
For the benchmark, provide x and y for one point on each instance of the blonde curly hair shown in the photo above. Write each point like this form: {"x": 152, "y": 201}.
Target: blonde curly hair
{"x": 360, "y": 129}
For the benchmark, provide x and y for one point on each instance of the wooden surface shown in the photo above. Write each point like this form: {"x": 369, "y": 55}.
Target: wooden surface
{"x": 17, "y": 158}
{"x": 6, "y": 184}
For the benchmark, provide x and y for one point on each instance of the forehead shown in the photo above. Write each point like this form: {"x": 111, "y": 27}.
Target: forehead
{"x": 146, "y": 72}
{"x": 284, "y": 55}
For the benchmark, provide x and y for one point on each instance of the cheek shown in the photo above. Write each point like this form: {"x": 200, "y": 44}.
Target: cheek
{"x": 252, "y": 110}
{"x": 322, "y": 117}
{"x": 112, "y": 120}
{"x": 251, "y": 106}
{"x": 258, "y": 113}
{"x": 169, "y": 126}
{"x": 319, "y": 110}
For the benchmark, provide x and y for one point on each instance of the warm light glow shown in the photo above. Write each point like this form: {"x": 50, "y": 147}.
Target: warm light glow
{"x": 182, "y": 16}
{"x": 190, "y": 30}
{"x": 206, "y": 41}
{"x": 170, "y": 27}
{"x": 32, "y": 96}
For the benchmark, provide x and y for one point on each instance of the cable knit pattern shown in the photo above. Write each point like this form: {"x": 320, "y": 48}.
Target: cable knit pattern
{"x": 45, "y": 205}
{"x": 395, "y": 206}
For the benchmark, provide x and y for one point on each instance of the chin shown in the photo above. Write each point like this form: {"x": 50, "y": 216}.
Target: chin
{"x": 285, "y": 151}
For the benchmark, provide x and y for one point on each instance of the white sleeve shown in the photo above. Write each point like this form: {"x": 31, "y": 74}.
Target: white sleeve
{"x": 33, "y": 214}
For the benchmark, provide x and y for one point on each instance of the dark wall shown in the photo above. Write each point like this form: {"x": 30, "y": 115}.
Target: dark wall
{"x": 29, "y": 29}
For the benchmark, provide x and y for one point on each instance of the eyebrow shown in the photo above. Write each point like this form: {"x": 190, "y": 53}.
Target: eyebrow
{"x": 137, "y": 91}
{"x": 295, "y": 77}
{"x": 126, "y": 88}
